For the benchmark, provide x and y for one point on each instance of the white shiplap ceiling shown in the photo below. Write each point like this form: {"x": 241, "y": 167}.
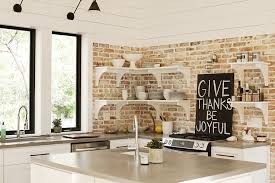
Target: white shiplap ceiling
{"x": 146, "y": 20}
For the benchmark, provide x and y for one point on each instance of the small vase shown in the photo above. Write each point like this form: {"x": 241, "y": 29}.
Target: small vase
{"x": 124, "y": 94}
{"x": 57, "y": 129}
{"x": 156, "y": 155}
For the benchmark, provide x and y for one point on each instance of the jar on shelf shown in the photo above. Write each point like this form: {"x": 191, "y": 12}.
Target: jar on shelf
{"x": 245, "y": 57}
{"x": 239, "y": 57}
{"x": 256, "y": 56}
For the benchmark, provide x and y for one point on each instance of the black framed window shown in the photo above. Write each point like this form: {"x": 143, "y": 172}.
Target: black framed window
{"x": 17, "y": 77}
{"x": 66, "y": 80}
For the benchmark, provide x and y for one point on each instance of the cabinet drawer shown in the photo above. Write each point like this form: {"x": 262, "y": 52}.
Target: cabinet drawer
{"x": 121, "y": 143}
{"x": 98, "y": 180}
{"x": 23, "y": 155}
{"x": 226, "y": 153}
{"x": 1, "y": 158}
{"x": 1, "y": 174}
{"x": 17, "y": 173}
{"x": 53, "y": 175}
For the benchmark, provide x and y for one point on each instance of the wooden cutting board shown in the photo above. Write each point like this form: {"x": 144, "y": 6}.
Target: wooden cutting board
{"x": 80, "y": 136}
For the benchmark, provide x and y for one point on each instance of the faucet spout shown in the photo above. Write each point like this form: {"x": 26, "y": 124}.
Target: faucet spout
{"x": 137, "y": 158}
{"x": 18, "y": 120}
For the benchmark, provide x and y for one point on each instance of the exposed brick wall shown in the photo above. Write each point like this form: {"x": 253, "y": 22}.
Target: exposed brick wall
{"x": 194, "y": 55}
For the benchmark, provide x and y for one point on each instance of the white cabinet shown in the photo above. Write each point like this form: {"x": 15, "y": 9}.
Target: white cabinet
{"x": 121, "y": 143}
{"x": 247, "y": 154}
{"x": 23, "y": 155}
{"x": 98, "y": 180}
{"x": 128, "y": 142}
{"x": 17, "y": 160}
{"x": 1, "y": 174}
{"x": 1, "y": 167}
{"x": 53, "y": 175}
{"x": 57, "y": 176}
{"x": 17, "y": 173}
{"x": 256, "y": 154}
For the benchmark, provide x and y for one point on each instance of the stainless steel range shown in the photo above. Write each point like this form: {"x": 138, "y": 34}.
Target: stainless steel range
{"x": 189, "y": 142}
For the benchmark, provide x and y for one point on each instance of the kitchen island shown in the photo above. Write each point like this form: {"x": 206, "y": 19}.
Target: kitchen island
{"x": 113, "y": 166}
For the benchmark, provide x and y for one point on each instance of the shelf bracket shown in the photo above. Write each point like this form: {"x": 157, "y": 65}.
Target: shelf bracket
{"x": 264, "y": 109}
{"x": 98, "y": 73}
{"x": 119, "y": 107}
{"x": 241, "y": 67}
{"x": 157, "y": 76}
{"x": 186, "y": 106}
{"x": 186, "y": 71}
{"x": 240, "y": 107}
{"x": 264, "y": 70}
{"x": 98, "y": 105}
{"x": 119, "y": 77}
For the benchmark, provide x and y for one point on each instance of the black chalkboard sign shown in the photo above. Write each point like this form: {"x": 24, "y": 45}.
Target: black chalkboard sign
{"x": 213, "y": 112}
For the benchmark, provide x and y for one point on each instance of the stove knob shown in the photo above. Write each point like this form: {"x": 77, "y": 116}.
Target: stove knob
{"x": 170, "y": 142}
{"x": 196, "y": 145}
{"x": 165, "y": 141}
{"x": 202, "y": 145}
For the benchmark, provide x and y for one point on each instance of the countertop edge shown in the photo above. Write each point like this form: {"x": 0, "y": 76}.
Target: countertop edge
{"x": 220, "y": 176}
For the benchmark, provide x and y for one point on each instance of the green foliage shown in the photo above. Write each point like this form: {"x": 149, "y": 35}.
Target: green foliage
{"x": 57, "y": 123}
{"x": 63, "y": 77}
{"x": 155, "y": 144}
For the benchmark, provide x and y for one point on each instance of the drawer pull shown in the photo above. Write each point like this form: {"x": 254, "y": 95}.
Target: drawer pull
{"x": 42, "y": 154}
{"x": 224, "y": 155}
{"x": 121, "y": 146}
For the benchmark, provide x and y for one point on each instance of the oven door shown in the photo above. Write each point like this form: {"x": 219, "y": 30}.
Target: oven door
{"x": 187, "y": 151}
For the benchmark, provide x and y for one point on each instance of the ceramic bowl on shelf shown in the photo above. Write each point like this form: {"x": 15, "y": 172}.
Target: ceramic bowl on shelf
{"x": 142, "y": 96}
{"x": 132, "y": 58}
{"x": 166, "y": 93}
{"x": 139, "y": 89}
{"x": 156, "y": 95}
{"x": 118, "y": 62}
{"x": 176, "y": 95}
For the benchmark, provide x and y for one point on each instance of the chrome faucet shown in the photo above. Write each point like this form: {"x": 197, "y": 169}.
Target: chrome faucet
{"x": 137, "y": 158}
{"x": 18, "y": 122}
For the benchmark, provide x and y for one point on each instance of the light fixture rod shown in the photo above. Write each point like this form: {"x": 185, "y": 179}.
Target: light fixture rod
{"x": 21, "y": 2}
{"x": 76, "y": 6}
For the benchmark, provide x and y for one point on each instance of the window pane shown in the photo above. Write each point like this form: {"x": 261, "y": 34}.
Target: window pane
{"x": 64, "y": 79}
{"x": 14, "y": 75}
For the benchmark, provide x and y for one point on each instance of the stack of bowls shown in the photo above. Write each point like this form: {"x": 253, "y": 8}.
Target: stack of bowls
{"x": 142, "y": 96}
{"x": 166, "y": 93}
{"x": 156, "y": 95}
{"x": 140, "y": 93}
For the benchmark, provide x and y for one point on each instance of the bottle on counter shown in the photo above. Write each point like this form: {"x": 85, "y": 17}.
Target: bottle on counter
{"x": 239, "y": 92}
{"x": 3, "y": 132}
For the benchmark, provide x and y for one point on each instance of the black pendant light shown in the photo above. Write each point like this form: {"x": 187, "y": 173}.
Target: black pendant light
{"x": 70, "y": 15}
{"x": 17, "y": 7}
{"x": 94, "y": 6}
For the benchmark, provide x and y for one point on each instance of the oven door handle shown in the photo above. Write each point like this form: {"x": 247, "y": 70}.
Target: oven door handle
{"x": 91, "y": 149}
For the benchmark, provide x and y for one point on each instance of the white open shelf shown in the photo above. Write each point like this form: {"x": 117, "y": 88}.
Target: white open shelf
{"x": 121, "y": 71}
{"x": 240, "y": 67}
{"x": 240, "y": 106}
{"x": 155, "y": 103}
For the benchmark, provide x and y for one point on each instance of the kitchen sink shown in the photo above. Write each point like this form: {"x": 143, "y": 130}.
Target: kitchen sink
{"x": 132, "y": 153}
{"x": 28, "y": 139}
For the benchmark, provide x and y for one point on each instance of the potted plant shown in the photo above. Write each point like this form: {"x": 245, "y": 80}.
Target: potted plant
{"x": 155, "y": 151}
{"x": 57, "y": 126}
